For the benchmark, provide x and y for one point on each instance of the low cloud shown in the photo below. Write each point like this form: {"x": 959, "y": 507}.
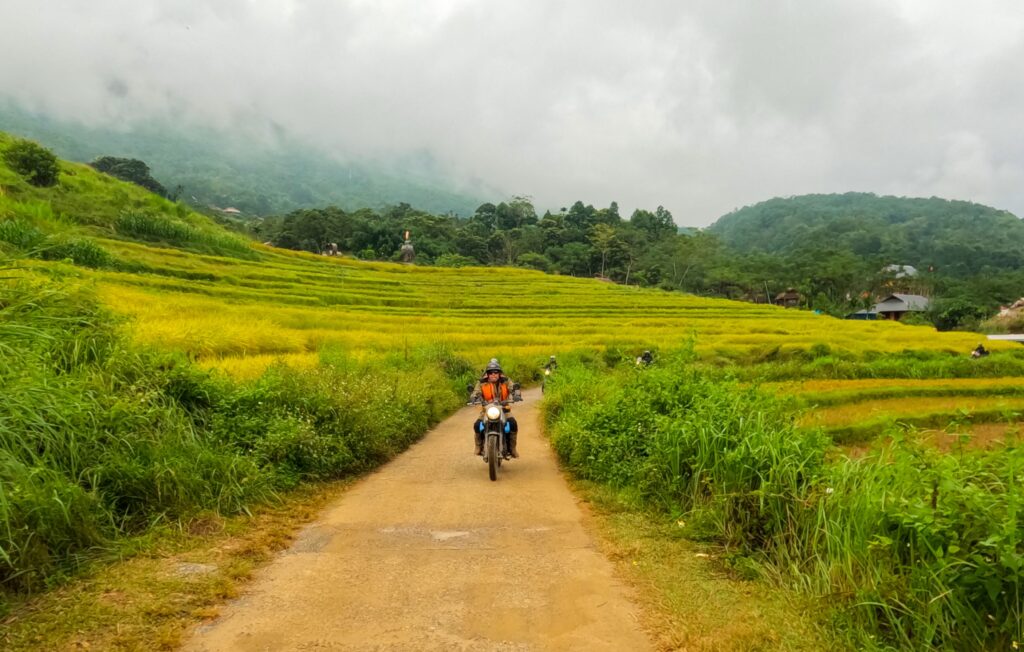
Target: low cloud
{"x": 701, "y": 108}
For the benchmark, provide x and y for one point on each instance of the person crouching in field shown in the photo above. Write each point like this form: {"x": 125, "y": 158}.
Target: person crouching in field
{"x": 494, "y": 386}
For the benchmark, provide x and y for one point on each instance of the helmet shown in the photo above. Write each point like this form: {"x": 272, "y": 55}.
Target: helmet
{"x": 647, "y": 352}
{"x": 552, "y": 358}
{"x": 493, "y": 366}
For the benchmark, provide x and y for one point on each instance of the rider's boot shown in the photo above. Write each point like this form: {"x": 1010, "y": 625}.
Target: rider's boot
{"x": 479, "y": 443}
{"x": 512, "y": 437}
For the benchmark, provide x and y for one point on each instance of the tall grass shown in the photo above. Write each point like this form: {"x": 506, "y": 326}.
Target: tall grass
{"x": 100, "y": 439}
{"x": 909, "y": 547}
{"x": 21, "y": 237}
{"x": 156, "y": 227}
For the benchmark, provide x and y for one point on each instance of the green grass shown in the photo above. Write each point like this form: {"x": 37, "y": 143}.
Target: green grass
{"x": 100, "y": 439}
{"x": 693, "y": 598}
{"x": 905, "y": 547}
{"x": 147, "y": 601}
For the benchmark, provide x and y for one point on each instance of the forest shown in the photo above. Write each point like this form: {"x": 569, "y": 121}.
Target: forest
{"x": 836, "y": 251}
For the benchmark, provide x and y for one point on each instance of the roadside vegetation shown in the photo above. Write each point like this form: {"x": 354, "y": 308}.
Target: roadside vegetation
{"x": 905, "y": 546}
{"x": 100, "y": 438}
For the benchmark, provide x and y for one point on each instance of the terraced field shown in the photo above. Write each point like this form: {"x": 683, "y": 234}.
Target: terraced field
{"x": 240, "y": 314}
{"x": 860, "y": 409}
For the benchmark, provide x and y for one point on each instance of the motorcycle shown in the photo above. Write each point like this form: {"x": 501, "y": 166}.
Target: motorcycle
{"x": 496, "y": 430}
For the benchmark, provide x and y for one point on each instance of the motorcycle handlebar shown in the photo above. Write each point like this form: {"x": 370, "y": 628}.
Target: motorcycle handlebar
{"x": 515, "y": 399}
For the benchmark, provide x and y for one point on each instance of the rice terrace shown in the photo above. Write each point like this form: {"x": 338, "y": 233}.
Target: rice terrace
{"x": 169, "y": 383}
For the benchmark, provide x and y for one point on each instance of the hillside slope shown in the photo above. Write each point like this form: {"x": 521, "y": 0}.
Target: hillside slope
{"x": 191, "y": 286}
{"x": 957, "y": 237}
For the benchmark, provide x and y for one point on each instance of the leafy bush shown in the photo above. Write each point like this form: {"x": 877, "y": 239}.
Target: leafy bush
{"x": 452, "y": 260}
{"x": 80, "y": 251}
{"x": 131, "y": 170}
{"x": 34, "y": 162}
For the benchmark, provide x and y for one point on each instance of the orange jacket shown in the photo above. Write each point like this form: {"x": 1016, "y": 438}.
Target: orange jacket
{"x": 489, "y": 393}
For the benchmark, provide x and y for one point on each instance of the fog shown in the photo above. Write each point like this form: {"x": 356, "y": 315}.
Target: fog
{"x": 699, "y": 107}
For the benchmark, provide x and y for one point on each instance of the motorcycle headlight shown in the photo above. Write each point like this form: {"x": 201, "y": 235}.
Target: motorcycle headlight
{"x": 547, "y": 372}
{"x": 493, "y": 412}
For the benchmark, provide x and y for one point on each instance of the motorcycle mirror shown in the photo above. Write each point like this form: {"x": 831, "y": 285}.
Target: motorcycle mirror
{"x": 469, "y": 388}
{"x": 515, "y": 387}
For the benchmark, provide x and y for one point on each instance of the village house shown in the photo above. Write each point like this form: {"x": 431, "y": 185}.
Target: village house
{"x": 895, "y": 306}
{"x": 788, "y": 299}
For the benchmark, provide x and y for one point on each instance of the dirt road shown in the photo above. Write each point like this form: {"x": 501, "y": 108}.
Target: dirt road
{"x": 428, "y": 554}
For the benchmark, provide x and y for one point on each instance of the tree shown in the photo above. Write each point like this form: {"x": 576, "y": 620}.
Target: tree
{"x": 34, "y": 162}
{"x": 534, "y": 261}
{"x": 580, "y": 217}
{"x": 132, "y": 170}
{"x": 604, "y": 239}
{"x": 656, "y": 225}
{"x": 572, "y": 258}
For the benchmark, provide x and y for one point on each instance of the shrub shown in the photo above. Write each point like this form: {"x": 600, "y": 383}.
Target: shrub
{"x": 916, "y": 548}
{"x": 80, "y": 251}
{"x": 533, "y": 260}
{"x": 131, "y": 170}
{"x": 21, "y": 234}
{"x": 453, "y": 260}
{"x": 37, "y": 164}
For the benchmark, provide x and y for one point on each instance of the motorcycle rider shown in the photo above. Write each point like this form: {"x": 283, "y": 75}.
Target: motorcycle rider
{"x": 645, "y": 359}
{"x": 495, "y": 386}
{"x": 549, "y": 368}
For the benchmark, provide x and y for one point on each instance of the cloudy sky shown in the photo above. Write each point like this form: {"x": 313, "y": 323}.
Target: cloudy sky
{"x": 701, "y": 106}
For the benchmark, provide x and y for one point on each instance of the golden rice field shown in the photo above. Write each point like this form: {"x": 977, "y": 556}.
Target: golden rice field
{"x": 241, "y": 315}
{"x": 860, "y": 408}
{"x": 819, "y": 393}
{"x": 878, "y": 410}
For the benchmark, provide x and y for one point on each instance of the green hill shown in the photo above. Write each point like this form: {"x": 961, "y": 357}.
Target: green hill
{"x": 956, "y": 237}
{"x": 216, "y": 169}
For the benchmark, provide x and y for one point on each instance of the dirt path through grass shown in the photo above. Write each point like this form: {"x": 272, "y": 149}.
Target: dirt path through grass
{"x": 428, "y": 554}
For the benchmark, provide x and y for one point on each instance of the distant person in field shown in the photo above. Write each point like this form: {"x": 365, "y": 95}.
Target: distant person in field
{"x": 549, "y": 369}
{"x": 494, "y": 385}
{"x": 979, "y": 351}
{"x": 645, "y": 359}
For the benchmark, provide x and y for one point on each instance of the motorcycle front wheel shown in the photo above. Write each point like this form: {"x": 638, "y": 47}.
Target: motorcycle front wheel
{"x": 492, "y": 457}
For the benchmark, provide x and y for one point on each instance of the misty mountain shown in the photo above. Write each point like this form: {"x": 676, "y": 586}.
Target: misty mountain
{"x": 259, "y": 178}
{"x": 958, "y": 237}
